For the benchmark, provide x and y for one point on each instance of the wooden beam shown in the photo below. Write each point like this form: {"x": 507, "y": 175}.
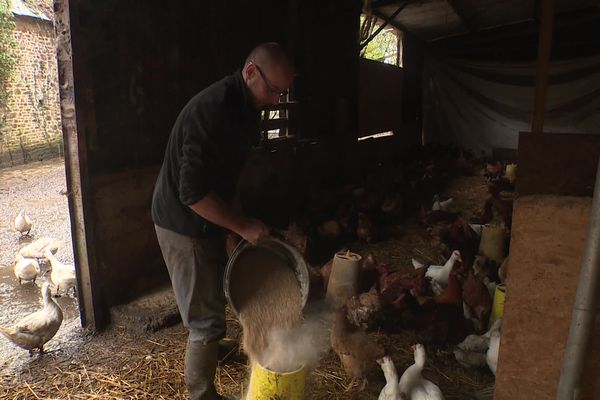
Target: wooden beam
{"x": 543, "y": 66}
{"x": 387, "y": 21}
{"x": 384, "y": 3}
{"x": 466, "y": 23}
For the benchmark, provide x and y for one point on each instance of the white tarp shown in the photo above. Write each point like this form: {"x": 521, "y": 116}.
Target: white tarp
{"x": 480, "y": 106}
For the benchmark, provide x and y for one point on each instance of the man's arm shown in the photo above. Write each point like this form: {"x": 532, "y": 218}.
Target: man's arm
{"x": 212, "y": 208}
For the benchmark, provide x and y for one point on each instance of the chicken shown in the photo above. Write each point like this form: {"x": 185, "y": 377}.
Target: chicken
{"x": 390, "y": 391}
{"x": 369, "y": 275}
{"x": 493, "y": 170}
{"x": 477, "y": 297}
{"x": 366, "y": 230}
{"x": 412, "y": 383}
{"x": 393, "y": 287}
{"x": 364, "y": 309}
{"x": 441, "y": 319}
{"x": 329, "y": 229}
{"x": 33, "y": 331}
{"x": 297, "y": 237}
{"x": 22, "y": 223}
{"x": 357, "y": 352}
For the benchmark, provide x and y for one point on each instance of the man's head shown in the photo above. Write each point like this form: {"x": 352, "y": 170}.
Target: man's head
{"x": 267, "y": 73}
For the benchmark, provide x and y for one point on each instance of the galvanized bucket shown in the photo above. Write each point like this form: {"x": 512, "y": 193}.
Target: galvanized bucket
{"x": 283, "y": 251}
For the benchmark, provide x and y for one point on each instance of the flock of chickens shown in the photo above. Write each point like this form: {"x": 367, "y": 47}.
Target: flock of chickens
{"x": 36, "y": 329}
{"x": 445, "y": 304}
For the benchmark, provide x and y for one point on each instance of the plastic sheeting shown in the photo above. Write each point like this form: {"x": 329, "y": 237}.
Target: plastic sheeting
{"x": 481, "y": 106}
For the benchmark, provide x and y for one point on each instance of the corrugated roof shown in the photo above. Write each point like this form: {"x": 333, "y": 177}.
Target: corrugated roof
{"x": 18, "y": 7}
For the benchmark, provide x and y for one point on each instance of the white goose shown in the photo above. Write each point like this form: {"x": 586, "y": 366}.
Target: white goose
{"x": 439, "y": 273}
{"x": 33, "y": 331}
{"x": 23, "y": 223}
{"x": 62, "y": 276}
{"x": 390, "y": 391}
{"x": 413, "y": 385}
{"x": 26, "y": 269}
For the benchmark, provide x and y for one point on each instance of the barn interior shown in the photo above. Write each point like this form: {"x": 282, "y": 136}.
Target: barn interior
{"x": 515, "y": 81}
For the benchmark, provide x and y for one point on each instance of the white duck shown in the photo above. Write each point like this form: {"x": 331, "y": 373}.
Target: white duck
{"x": 23, "y": 223}
{"x": 26, "y": 269}
{"x": 62, "y": 276}
{"x": 493, "y": 350}
{"x": 413, "y": 385}
{"x": 473, "y": 351}
{"x": 439, "y": 273}
{"x": 390, "y": 391}
{"x": 33, "y": 331}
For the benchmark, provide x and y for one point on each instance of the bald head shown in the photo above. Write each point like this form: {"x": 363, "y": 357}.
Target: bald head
{"x": 267, "y": 73}
{"x": 268, "y": 55}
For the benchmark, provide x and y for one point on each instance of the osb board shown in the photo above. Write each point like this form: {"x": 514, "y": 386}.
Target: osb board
{"x": 548, "y": 238}
{"x": 560, "y": 164}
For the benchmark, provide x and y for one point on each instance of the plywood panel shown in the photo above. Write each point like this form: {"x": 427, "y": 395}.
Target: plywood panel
{"x": 548, "y": 238}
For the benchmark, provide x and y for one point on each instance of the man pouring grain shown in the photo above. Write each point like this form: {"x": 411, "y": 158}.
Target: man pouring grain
{"x": 192, "y": 200}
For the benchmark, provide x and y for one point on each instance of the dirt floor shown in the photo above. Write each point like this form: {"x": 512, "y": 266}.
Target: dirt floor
{"x": 122, "y": 364}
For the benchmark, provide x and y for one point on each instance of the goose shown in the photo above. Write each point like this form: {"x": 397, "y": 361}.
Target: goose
{"x": 390, "y": 391}
{"x": 62, "y": 276}
{"x": 33, "y": 331}
{"x": 26, "y": 269}
{"x": 440, "y": 273}
{"x": 413, "y": 385}
{"x": 23, "y": 223}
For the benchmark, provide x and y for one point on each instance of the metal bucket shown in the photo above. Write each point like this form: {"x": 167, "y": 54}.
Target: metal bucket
{"x": 285, "y": 253}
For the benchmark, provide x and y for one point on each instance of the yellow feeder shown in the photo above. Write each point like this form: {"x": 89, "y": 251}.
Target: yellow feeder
{"x": 268, "y": 385}
{"x": 498, "y": 303}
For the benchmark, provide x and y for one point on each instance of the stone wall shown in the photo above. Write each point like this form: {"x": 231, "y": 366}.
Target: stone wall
{"x": 31, "y": 129}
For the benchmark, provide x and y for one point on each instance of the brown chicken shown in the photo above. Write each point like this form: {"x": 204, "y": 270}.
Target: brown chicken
{"x": 364, "y": 309}
{"x": 477, "y": 296}
{"x": 357, "y": 352}
{"x": 441, "y": 320}
{"x": 369, "y": 275}
{"x": 366, "y": 230}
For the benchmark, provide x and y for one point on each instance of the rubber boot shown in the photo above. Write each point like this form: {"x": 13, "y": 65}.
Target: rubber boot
{"x": 200, "y": 367}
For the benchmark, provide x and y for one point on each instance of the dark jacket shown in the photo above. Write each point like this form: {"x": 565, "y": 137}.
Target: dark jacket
{"x": 208, "y": 146}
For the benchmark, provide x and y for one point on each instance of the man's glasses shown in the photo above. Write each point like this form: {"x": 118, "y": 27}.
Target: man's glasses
{"x": 272, "y": 89}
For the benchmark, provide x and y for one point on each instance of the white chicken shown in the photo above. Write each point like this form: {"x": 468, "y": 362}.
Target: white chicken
{"x": 33, "y": 331}
{"x": 26, "y": 269}
{"x": 439, "y": 273}
{"x": 62, "y": 275}
{"x": 413, "y": 385}
{"x": 23, "y": 223}
{"x": 390, "y": 391}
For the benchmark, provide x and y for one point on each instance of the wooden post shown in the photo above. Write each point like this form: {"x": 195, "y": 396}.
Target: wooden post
{"x": 543, "y": 65}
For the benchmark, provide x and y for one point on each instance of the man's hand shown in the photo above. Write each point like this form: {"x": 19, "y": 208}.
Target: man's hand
{"x": 253, "y": 230}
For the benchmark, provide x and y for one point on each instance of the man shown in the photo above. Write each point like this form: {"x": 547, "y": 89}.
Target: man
{"x": 192, "y": 201}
